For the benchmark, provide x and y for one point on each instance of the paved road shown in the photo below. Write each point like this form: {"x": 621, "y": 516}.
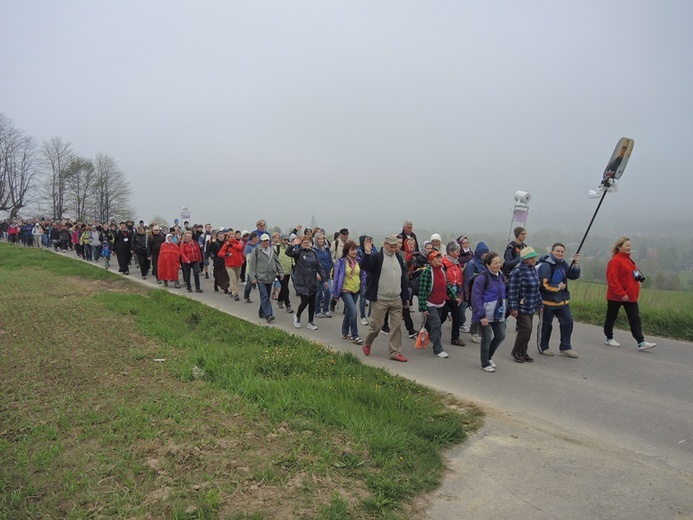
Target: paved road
{"x": 608, "y": 435}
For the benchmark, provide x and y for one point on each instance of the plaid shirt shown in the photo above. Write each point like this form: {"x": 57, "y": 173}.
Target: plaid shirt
{"x": 523, "y": 290}
{"x": 426, "y": 285}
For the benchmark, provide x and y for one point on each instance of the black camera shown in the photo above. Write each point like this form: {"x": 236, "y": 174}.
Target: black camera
{"x": 637, "y": 274}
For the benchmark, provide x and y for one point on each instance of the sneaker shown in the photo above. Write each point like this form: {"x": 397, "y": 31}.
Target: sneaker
{"x": 198, "y": 290}
{"x": 476, "y": 338}
{"x": 443, "y": 355}
{"x": 320, "y": 315}
{"x": 280, "y": 305}
{"x": 333, "y": 304}
{"x": 347, "y": 337}
{"x": 489, "y": 368}
{"x": 547, "y": 352}
{"x": 357, "y": 340}
{"x": 385, "y": 330}
{"x": 612, "y": 342}
{"x": 297, "y": 323}
{"x": 413, "y": 333}
{"x": 364, "y": 321}
{"x": 289, "y": 310}
{"x": 400, "y": 358}
{"x": 528, "y": 358}
{"x": 270, "y": 319}
{"x": 328, "y": 314}
{"x": 367, "y": 350}
{"x": 458, "y": 342}
{"x": 644, "y": 345}
{"x": 569, "y": 353}
{"x": 492, "y": 363}
{"x": 311, "y": 326}
{"x": 464, "y": 328}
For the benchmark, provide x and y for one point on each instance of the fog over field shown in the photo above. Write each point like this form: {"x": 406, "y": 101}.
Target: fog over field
{"x": 364, "y": 113}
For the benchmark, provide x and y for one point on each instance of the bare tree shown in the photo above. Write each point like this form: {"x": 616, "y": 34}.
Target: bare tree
{"x": 111, "y": 190}
{"x": 80, "y": 179}
{"x": 57, "y": 155}
{"x": 17, "y": 167}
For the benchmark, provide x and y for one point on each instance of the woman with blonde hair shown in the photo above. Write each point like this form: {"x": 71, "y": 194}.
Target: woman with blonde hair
{"x": 623, "y": 280}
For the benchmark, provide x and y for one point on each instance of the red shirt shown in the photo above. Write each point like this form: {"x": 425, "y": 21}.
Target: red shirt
{"x": 439, "y": 293}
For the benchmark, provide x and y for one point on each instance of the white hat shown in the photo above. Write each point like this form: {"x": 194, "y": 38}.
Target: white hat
{"x": 264, "y": 236}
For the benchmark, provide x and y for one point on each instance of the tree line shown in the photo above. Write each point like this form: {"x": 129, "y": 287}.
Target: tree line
{"x": 52, "y": 180}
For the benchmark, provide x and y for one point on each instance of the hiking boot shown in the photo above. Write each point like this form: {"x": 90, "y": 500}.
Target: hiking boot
{"x": 519, "y": 358}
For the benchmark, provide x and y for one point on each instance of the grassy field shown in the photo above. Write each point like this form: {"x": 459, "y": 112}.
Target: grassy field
{"x": 119, "y": 401}
{"x": 663, "y": 313}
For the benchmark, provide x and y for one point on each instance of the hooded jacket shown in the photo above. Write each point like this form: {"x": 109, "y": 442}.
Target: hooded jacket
{"x": 551, "y": 273}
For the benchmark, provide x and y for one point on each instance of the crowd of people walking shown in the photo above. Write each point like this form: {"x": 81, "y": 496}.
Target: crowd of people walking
{"x": 378, "y": 284}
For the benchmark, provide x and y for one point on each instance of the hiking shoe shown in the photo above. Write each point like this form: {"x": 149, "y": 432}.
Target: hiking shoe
{"x": 528, "y": 358}
{"x": 297, "y": 323}
{"x": 189, "y": 289}
{"x": 458, "y": 342}
{"x": 270, "y": 319}
{"x": 311, "y": 326}
{"x": 569, "y": 353}
{"x": 198, "y": 290}
{"x": 289, "y": 310}
{"x": 236, "y": 297}
{"x": 400, "y": 358}
{"x": 476, "y": 338}
{"x": 612, "y": 342}
{"x": 519, "y": 358}
{"x": 442, "y": 354}
{"x": 464, "y": 328}
{"x": 644, "y": 345}
{"x": 367, "y": 350}
{"x": 364, "y": 321}
{"x": 489, "y": 369}
{"x": 547, "y": 352}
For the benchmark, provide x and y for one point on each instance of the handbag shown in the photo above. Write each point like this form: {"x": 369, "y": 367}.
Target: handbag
{"x": 422, "y": 336}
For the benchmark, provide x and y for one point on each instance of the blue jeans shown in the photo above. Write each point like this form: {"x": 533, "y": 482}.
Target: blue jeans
{"x": 495, "y": 330}
{"x": 265, "y": 302}
{"x": 433, "y": 326}
{"x": 349, "y": 324}
{"x": 363, "y": 302}
{"x": 565, "y": 323}
{"x": 324, "y": 295}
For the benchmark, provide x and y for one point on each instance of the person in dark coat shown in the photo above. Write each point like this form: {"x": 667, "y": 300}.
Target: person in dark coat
{"x": 122, "y": 246}
{"x": 308, "y": 274}
{"x": 153, "y": 248}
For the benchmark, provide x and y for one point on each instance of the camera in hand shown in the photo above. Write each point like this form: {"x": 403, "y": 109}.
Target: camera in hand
{"x": 637, "y": 274}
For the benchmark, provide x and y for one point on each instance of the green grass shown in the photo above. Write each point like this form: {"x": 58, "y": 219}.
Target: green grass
{"x": 240, "y": 421}
{"x": 663, "y": 313}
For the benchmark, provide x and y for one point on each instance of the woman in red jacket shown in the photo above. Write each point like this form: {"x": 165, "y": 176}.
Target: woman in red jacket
{"x": 168, "y": 262}
{"x": 623, "y": 280}
{"x": 191, "y": 256}
{"x": 232, "y": 253}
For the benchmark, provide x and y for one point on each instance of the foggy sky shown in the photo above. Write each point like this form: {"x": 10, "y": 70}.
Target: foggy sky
{"x": 364, "y": 113}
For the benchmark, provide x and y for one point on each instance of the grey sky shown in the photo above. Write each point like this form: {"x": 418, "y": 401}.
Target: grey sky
{"x": 363, "y": 113}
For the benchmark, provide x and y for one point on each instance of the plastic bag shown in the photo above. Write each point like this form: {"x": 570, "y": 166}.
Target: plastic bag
{"x": 422, "y": 337}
